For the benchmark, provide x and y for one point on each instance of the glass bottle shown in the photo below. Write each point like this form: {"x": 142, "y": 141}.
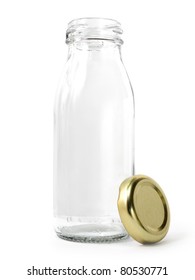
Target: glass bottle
{"x": 93, "y": 133}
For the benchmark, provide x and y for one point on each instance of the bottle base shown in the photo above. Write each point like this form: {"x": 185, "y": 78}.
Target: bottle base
{"x": 92, "y": 233}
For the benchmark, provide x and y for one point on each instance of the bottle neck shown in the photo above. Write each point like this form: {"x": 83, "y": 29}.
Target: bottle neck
{"x": 94, "y": 33}
{"x": 95, "y": 48}
{"x": 86, "y": 60}
{"x": 93, "y": 42}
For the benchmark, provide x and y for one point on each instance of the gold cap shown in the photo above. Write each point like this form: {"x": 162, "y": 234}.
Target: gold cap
{"x": 143, "y": 209}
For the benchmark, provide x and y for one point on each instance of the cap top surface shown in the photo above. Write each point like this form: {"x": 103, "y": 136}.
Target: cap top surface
{"x": 143, "y": 209}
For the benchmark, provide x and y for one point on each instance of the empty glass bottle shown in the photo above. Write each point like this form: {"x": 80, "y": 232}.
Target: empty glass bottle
{"x": 93, "y": 133}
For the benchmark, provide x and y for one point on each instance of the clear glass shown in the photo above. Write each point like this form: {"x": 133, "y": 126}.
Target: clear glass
{"x": 93, "y": 133}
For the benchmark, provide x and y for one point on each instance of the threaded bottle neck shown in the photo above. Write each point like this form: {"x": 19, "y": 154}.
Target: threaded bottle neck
{"x": 94, "y": 29}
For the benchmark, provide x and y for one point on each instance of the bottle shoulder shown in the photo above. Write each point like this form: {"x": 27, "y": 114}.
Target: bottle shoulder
{"x": 100, "y": 82}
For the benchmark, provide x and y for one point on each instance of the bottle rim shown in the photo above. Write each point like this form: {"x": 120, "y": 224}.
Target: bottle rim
{"x": 94, "y": 28}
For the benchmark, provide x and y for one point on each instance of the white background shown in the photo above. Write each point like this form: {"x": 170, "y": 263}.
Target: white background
{"x": 159, "y": 54}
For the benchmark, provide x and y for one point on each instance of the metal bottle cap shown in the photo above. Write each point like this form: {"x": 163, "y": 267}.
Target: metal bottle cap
{"x": 143, "y": 209}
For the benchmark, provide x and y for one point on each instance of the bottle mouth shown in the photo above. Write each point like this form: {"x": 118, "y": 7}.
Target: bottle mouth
{"x": 94, "y": 29}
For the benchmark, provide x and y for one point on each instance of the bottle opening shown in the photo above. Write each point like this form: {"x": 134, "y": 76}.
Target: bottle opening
{"x": 94, "y": 29}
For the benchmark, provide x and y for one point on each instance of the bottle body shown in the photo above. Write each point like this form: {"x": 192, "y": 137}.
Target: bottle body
{"x": 93, "y": 143}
